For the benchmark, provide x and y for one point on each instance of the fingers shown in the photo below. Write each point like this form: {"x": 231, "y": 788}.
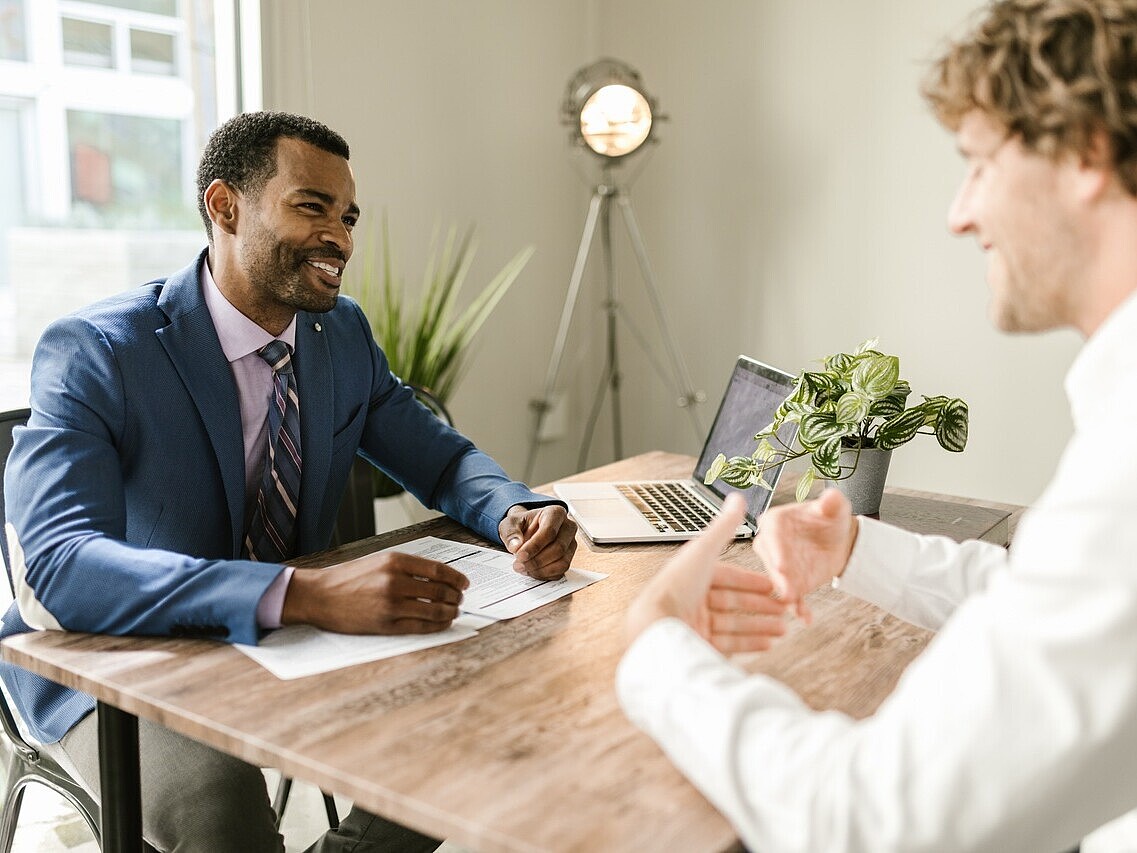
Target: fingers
{"x": 741, "y": 614}
{"x": 384, "y": 593}
{"x": 513, "y": 528}
{"x": 720, "y": 532}
{"x": 430, "y": 571}
{"x": 831, "y": 504}
{"x": 544, "y": 540}
{"x": 727, "y": 600}
{"x": 735, "y": 644}
{"x": 706, "y": 547}
{"x": 534, "y": 531}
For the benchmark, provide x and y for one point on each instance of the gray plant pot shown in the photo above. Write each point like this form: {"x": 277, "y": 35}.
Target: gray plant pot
{"x": 864, "y": 487}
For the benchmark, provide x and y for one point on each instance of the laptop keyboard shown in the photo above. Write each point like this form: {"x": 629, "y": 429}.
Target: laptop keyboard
{"x": 669, "y": 507}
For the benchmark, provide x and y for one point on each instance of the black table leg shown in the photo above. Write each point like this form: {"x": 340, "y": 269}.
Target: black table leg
{"x": 119, "y": 780}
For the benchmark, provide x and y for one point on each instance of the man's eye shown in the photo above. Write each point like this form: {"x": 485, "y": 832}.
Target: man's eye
{"x": 350, "y": 221}
{"x": 311, "y": 205}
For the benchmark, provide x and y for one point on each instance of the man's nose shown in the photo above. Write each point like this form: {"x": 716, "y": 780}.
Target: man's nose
{"x": 338, "y": 236}
{"x": 959, "y": 219}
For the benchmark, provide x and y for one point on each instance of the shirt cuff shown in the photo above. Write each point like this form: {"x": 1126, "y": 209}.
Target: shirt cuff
{"x": 877, "y": 568}
{"x": 271, "y": 605}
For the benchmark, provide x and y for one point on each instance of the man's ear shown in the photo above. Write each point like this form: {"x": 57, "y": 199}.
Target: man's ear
{"x": 1097, "y": 167}
{"x": 222, "y": 202}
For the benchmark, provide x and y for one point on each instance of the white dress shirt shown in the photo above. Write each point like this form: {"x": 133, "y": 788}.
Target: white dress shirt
{"x": 1015, "y": 730}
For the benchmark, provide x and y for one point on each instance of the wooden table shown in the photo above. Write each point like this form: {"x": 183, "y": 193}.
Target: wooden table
{"x": 512, "y": 740}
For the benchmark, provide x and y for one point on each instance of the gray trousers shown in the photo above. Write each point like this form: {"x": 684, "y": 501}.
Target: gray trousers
{"x": 196, "y": 799}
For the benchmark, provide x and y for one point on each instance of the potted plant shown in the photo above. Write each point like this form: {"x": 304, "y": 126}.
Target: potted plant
{"x": 847, "y": 418}
{"x": 426, "y": 339}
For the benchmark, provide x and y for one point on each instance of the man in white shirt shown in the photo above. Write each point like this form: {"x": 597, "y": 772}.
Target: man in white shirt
{"x": 1017, "y": 728}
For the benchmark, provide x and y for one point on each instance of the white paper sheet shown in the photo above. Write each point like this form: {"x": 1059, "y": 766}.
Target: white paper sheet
{"x": 298, "y": 650}
{"x": 495, "y": 592}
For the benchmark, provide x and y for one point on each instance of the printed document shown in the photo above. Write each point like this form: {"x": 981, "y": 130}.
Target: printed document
{"x": 496, "y": 592}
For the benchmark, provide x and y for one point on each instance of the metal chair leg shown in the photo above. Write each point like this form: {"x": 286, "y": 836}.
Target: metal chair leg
{"x": 280, "y": 801}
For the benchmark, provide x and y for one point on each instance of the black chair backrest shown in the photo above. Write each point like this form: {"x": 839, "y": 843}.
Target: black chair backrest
{"x": 8, "y": 422}
{"x": 356, "y": 519}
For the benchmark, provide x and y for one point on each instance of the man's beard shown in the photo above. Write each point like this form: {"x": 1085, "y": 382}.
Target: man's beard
{"x": 279, "y": 270}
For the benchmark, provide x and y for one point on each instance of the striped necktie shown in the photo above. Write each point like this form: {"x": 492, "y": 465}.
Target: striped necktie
{"x": 272, "y": 529}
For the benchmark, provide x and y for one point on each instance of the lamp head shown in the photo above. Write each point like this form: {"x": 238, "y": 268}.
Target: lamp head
{"x": 607, "y": 109}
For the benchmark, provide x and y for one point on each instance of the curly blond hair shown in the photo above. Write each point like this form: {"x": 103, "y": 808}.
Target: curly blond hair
{"x": 1052, "y": 72}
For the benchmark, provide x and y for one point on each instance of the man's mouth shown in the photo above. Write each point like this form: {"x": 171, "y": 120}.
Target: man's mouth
{"x": 331, "y": 270}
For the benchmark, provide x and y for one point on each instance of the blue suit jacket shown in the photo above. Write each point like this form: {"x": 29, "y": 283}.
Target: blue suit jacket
{"x": 125, "y": 493}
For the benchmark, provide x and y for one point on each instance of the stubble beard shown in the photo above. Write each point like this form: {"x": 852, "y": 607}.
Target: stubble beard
{"x": 278, "y": 271}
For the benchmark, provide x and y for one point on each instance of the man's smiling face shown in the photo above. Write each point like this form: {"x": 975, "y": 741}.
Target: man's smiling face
{"x": 1019, "y": 205}
{"x": 296, "y": 236}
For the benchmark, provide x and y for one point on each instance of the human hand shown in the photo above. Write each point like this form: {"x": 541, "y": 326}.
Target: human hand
{"x": 729, "y": 606}
{"x": 806, "y": 545}
{"x": 541, "y": 540}
{"x": 382, "y": 593}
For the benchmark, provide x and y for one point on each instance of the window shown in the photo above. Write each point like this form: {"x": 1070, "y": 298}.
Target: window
{"x": 104, "y": 107}
{"x": 88, "y": 43}
{"x": 126, "y": 41}
{"x": 152, "y": 53}
{"x": 13, "y": 31}
{"x": 126, "y": 171}
{"x": 157, "y": 7}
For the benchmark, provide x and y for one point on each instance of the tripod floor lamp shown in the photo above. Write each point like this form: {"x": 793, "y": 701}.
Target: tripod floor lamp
{"x": 611, "y": 116}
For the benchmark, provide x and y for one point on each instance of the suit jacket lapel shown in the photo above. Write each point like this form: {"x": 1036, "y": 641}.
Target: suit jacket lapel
{"x": 314, "y": 379}
{"x": 191, "y": 342}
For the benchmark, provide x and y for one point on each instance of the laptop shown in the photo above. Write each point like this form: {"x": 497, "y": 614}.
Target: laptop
{"x": 675, "y": 510}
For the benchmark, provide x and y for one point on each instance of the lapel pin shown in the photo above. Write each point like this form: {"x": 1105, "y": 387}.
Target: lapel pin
{"x": 318, "y": 327}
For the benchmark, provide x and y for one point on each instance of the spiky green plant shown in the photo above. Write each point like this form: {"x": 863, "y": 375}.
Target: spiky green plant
{"x": 857, "y": 401}
{"x": 425, "y": 340}
{"x": 425, "y": 337}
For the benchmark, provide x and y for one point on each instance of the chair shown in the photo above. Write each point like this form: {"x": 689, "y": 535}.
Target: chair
{"x": 356, "y": 519}
{"x": 27, "y": 764}
{"x": 24, "y": 763}
{"x": 8, "y": 422}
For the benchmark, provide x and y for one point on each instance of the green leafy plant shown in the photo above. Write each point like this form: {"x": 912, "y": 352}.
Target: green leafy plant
{"x": 857, "y": 401}
{"x": 426, "y": 338}
{"x": 425, "y": 341}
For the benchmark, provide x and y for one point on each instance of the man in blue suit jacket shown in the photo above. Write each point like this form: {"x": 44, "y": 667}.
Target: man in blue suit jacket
{"x": 130, "y": 491}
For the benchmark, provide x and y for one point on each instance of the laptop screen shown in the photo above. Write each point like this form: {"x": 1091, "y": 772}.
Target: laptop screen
{"x": 753, "y": 395}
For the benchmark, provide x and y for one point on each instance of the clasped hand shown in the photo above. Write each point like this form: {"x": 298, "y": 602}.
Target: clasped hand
{"x": 542, "y": 541}
{"x": 737, "y": 609}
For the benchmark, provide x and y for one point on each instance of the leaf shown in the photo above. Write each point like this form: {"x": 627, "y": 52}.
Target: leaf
{"x": 865, "y": 346}
{"x": 876, "y": 375}
{"x": 852, "y": 408}
{"x": 740, "y": 477}
{"x": 900, "y": 429}
{"x": 887, "y": 408}
{"x": 804, "y": 484}
{"x": 716, "y": 469}
{"x": 817, "y": 427}
{"x": 425, "y": 343}
{"x": 839, "y": 363}
{"x": 827, "y": 458}
{"x": 951, "y": 426}
{"x": 817, "y": 384}
{"x": 764, "y": 451}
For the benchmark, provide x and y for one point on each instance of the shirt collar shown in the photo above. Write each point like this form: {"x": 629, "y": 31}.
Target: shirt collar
{"x": 239, "y": 335}
{"x": 1106, "y": 357}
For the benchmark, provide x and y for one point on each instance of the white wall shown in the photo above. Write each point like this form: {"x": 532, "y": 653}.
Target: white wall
{"x": 794, "y": 206}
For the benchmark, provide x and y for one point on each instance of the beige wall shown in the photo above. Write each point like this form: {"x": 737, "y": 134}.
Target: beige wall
{"x": 794, "y": 206}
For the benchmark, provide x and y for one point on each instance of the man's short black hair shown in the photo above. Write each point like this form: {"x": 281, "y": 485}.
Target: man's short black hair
{"x": 242, "y": 152}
